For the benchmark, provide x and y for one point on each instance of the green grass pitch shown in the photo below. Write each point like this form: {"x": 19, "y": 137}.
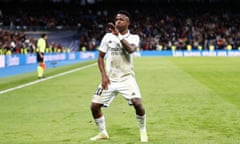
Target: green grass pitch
{"x": 188, "y": 100}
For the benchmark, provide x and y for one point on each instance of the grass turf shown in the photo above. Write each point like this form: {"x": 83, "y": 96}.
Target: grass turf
{"x": 187, "y": 99}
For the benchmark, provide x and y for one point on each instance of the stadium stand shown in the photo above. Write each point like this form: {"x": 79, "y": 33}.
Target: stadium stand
{"x": 162, "y": 25}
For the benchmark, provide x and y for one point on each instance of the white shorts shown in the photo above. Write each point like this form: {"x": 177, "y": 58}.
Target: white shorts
{"x": 128, "y": 89}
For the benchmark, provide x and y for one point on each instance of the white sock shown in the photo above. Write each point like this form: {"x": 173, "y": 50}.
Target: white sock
{"x": 142, "y": 122}
{"x": 100, "y": 122}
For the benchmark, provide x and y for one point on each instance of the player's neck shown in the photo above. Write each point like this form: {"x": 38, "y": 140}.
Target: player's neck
{"x": 124, "y": 32}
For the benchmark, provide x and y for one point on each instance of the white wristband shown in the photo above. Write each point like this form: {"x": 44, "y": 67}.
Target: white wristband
{"x": 120, "y": 37}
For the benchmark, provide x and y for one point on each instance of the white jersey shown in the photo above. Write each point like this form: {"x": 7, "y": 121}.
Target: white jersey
{"x": 119, "y": 63}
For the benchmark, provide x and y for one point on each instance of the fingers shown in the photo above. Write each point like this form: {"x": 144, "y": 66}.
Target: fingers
{"x": 112, "y": 28}
{"x": 105, "y": 86}
{"x": 105, "y": 83}
{"x": 111, "y": 25}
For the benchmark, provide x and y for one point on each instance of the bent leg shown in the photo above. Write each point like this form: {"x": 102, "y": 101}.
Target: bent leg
{"x": 101, "y": 98}
{"x": 100, "y": 121}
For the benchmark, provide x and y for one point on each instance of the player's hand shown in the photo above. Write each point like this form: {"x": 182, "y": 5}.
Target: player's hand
{"x": 113, "y": 29}
{"x": 105, "y": 82}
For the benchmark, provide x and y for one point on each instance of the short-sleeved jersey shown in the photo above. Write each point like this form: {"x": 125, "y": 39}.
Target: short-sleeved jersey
{"x": 119, "y": 63}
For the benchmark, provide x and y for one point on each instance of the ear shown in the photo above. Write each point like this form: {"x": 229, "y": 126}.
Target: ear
{"x": 128, "y": 22}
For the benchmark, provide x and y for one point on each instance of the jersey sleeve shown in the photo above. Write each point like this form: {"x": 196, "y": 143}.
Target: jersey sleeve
{"x": 136, "y": 40}
{"x": 104, "y": 44}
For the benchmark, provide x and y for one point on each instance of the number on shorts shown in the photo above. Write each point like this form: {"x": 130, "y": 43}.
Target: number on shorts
{"x": 98, "y": 91}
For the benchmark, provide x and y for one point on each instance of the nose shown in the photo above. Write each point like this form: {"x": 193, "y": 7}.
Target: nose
{"x": 118, "y": 22}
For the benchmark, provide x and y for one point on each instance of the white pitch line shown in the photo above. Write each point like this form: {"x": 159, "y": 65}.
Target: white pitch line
{"x": 47, "y": 78}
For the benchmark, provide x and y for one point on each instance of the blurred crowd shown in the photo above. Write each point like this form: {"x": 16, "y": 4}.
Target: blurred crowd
{"x": 17, "y": 42}
{"x": 168, "y": 26}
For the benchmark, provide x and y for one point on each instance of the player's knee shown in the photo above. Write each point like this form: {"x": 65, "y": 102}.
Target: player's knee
{"x": 95, "y": 107}
{"x": 96, "y": 110}
{"x": 136, "y": 102}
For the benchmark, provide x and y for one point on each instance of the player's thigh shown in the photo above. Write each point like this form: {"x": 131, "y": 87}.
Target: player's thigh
{"x": 129, "y": 89}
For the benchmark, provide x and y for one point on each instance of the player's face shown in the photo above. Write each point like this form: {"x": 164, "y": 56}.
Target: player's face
{"x": 121, "y": 22}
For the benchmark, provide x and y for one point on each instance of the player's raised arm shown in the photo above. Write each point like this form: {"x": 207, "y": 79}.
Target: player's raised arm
{"x": 120, "y": 29}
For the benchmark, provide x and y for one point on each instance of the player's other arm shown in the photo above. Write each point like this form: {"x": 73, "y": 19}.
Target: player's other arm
{"x": 127, "y": 46}
{"x": 131, "y": 45}
{"x": 101, "y": 66}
